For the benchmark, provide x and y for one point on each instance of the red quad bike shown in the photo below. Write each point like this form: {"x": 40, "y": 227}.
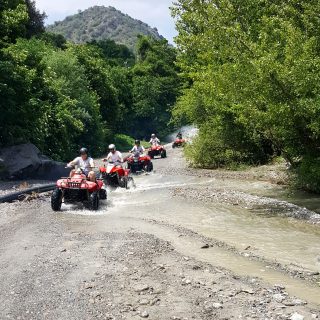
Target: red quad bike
{"x": 115, "y": 176}
{"x": 155, "y": 151}
{"x": 139, "y": 163}
{"x": 178, "y": 143}
{"x": 78, "y": 189}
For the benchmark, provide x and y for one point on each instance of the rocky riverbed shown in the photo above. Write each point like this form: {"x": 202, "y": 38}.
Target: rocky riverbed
{"x": 155, "y": 252}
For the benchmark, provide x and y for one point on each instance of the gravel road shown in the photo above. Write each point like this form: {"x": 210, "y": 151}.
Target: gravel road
{"x": 129, "y": 261}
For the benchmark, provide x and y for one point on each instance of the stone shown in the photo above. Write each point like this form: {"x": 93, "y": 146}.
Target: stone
{"x": 296, "y": 316}
{"x": 142, "y": 287}
{"x": 88, "y": 285}
{"x": 144, "y": 302}
{"x": 217, "y": 305}
{"x": 279, "y": 287}
{"x": 144, "y": 314}
{"x": 26, "y": 161}
{"x": 278, "y": 297}
{"x": 247, "y": 290}
{"x": 298, "y": 302}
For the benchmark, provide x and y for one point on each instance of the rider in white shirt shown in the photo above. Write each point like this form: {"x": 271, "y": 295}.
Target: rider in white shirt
{"x": 137, "y": 149}
{"x": 85, "y": 163}
{"x": 114, "y": 155}
{"x": 154, "y": 141}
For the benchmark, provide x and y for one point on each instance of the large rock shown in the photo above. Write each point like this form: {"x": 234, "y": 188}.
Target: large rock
{"x": 25, "y": 161}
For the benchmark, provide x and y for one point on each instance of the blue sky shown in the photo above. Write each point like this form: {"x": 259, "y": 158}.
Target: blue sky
{"x": 156, "y": 13}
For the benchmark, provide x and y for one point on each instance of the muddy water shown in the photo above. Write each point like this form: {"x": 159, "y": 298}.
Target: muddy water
{"x": 286, "y": 240}
{"x": 283, "y": 240}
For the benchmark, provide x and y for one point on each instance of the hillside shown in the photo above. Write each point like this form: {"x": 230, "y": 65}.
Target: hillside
{"x": 99, "y": 23}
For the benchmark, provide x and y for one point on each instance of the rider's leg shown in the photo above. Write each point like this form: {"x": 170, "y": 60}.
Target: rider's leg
{"x": 72, "y": 172}
{"x": 92, "y": 176}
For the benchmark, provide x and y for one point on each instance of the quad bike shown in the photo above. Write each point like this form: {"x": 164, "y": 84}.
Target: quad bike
{"x": 115, "y": 176}
{"x": 178, "y": 143}
{"x": 78, "y": 189}
{"x": 139, "y": 163}
{"x": 157, "y": 150}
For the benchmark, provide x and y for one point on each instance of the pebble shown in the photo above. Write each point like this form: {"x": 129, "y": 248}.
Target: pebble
{"x": 144, "y": 302}
{"x": 88, "y": 286}
{"x": 247, "y": 290}
{"x": 278, "y": 297}
{"x": 296, "y": 316}
{"x": 144, "y": 314}
{"x": 279, "y": 287}
{"x": 141, "y": 288}
{"x": 217, "y": 305}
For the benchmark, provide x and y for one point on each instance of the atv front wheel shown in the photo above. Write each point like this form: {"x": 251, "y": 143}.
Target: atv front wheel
{"x": 56, "y": 200}
{"x": 130, "y": 183}
{"x": 123, "y": 183}
{"x": 94, "y": 201}
{"x": 163, "y": 154}
{"x": 103, "y": 194}
{"x": 173, "y": 145}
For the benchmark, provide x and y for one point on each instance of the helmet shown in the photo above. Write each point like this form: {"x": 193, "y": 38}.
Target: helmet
{"x": 83, "y": 151}
{"x": 137, "y": 142}
{"x": 112, "y": 147}
{"x": 153, "y": 135}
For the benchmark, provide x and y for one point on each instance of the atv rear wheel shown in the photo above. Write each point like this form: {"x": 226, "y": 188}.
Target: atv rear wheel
{"x": 56, "y": 200}
{"x": 149, "y": 167}
{"x": 94, "y": 201}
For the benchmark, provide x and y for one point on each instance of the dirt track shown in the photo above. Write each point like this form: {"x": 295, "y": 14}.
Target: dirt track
{"x": 132, "y": 260}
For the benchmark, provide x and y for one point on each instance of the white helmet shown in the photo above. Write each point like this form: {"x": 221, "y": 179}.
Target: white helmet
{"x": 153, "y": 135}
{"x": 112, "y": 147}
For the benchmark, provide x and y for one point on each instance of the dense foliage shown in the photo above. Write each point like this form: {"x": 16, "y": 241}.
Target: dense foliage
{"x": 252, "y": 72}
{"x": 100, "y": 23}
{"x": 61, "y": 96}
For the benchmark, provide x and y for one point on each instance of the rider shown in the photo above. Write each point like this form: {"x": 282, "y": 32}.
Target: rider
{"x": 179, "y": 135}
{"x": 137, "y": 148}
{"x": 85, "y": 163}
{"x": 154, "y": 141}
{"x": 114, "y": 155}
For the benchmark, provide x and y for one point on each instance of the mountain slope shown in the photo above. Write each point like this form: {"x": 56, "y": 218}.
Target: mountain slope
{"x": 99, "y": 23}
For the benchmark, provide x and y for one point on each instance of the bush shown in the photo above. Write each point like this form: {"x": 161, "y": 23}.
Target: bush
{"x": 123, "y": 142}
{"x": 308, "y": 174}
{"x": 229, "y": 145}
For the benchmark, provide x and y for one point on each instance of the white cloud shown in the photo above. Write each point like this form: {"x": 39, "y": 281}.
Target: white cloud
{"x": 156, "y": 13}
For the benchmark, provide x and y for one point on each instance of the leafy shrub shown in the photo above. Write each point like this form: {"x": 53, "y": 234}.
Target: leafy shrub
{"x": 307, "y": 175}
{"x": 123, "y": 142}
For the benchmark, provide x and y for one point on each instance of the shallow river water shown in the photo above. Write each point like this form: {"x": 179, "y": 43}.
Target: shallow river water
{"x": 150, "y": 208}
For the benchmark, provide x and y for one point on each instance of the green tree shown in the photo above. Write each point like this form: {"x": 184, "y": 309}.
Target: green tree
{"x": 13, "y": 20}
{"x": 252, "y": 68}
{"x": 35, "y": 23}
{"x": 155, "y": 86}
